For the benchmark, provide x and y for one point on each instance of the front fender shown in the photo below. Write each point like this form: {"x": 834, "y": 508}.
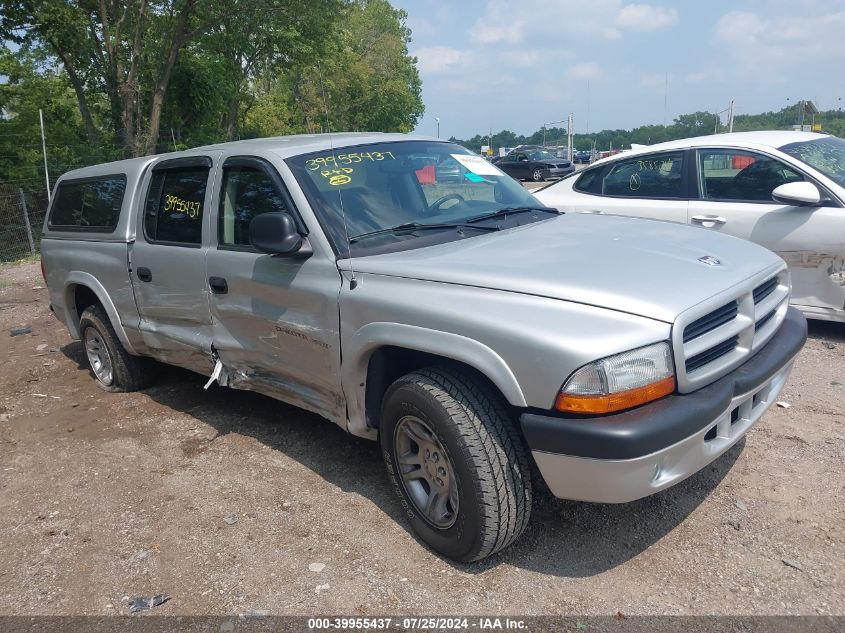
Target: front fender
{"x": 454, "y": 346}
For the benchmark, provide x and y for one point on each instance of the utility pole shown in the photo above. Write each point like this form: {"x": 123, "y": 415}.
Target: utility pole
{"x": 44, "y": 151}
{"x": 731, "y": 117}
{"x": 569, "y": 136}
{"x": 437, "y": 118}
{"x": 588, "y": 106}
{"x": 666, "y": 99}
{"x": 26, "y": 222}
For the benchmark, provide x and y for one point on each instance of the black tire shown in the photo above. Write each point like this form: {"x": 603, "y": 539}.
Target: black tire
{"x": 486, "y": 454}
{"x": 538, "y": 175}
{"x": 128, "y": 372}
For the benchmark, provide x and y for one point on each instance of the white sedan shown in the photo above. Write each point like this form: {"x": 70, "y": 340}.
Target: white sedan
{"x": 783, "y": 190}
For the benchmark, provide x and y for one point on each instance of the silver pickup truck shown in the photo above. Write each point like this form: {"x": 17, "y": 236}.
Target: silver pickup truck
{"x": 463, "y": 325}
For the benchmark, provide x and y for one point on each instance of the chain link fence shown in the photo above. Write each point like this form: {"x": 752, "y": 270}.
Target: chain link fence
{"x": 21, "y": 218}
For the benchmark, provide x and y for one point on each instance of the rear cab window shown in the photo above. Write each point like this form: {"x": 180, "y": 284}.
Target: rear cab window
{"x": 88, "y": 204}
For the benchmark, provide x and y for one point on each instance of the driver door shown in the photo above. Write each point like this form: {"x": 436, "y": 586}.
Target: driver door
{"x": 735, "y": 197}
{"x": 522, "y": 166}
{"x": 275, "y": 322}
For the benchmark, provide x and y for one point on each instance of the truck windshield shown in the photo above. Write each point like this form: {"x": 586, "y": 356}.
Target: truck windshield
{"x": 372, "y": 189}
{"x": 827, "y": 155}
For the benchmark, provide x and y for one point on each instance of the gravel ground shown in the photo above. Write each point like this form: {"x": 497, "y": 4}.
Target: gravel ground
{"x": 234, "y": 503}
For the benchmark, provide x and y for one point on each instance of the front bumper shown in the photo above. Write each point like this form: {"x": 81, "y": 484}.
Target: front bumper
{"x": 629, "y": 455}
{"x": 561, "y": 172}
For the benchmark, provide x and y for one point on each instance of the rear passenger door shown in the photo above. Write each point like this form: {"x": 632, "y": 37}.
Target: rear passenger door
{"x": 167, "y": 262}
{"x": 275, "y": 317}
{"x": 652, "y": 186}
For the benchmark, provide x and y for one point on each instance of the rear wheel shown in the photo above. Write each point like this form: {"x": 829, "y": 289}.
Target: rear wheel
{"x": 114, "y": 368}
{"x": 457, "y": 463}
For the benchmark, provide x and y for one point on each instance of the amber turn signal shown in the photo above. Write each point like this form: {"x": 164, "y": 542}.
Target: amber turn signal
{"x": 598, "y": 404}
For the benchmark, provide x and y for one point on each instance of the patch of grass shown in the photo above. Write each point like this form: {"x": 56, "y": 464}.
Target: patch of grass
{"x": 17, "y": 262}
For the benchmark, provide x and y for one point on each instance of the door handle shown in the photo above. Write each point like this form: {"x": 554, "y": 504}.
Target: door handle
{"x": 218, "y": 285}
{"x": 708, "y": 220}
{"x": 145, "y": 274}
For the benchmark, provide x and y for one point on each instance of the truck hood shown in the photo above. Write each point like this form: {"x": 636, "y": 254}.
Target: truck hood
{"x": 645, "y": 267}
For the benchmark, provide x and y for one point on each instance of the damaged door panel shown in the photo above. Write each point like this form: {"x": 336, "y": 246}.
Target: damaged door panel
{"x": 810, "y": 238}
{"x": 275, "y": 319}
{"x": 167, "y": 263}
{"x": 818, "y": 281}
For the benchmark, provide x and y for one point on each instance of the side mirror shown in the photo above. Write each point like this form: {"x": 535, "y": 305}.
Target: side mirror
{"x": 275, "y": 233}
{"x": 523, "y": 159}
{"x": 801, "y": 194}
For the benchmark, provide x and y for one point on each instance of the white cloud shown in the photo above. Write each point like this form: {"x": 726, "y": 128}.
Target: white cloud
{"x": 498, "y": 24}
{"x": 523, "y": 58}
{"x": 439, "y": 60}
{"x": 503, "y": 21}
{"x": 760, "y": 44}
{"x": 477, "y": 85}
{"x": 584, "y": 71}
{"x": 645, "y": 17}
{"x": 421, "y": 27}
{"x": 653, "y": 81}
{"x": 699, "y": 77}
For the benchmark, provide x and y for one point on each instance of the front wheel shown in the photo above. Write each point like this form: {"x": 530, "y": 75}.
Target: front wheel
{"x": 538, "y": 175}
{"x": 457, "y": 463}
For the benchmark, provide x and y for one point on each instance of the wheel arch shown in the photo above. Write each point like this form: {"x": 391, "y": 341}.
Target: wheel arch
{"x": 381, "y": 352}
{"x": 82, "y": 290}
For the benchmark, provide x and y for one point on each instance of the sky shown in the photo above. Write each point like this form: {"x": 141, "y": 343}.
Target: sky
{"x": 517, "y": 64}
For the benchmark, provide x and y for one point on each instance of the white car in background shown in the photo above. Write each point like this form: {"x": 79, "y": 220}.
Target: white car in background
{"x": 783, "y": 190}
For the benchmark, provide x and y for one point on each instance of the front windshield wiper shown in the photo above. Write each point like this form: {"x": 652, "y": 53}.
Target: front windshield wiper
{"x": 501, "y": 213}
{"x": 412, "y": 227}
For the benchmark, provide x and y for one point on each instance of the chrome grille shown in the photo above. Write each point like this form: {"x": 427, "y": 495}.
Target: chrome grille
{"x": 708, "y": 356}
{"x": 718, "y": 335}
{"x": 711, "y": 321}
{"x": 765, "y": 319}
{"x": 765, "y": 289}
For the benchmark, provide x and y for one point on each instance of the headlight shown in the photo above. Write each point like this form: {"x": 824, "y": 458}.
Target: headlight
{"x": 619, "y": 382}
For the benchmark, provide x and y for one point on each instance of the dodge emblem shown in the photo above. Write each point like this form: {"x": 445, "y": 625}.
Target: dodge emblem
{"x": 709, "y": 260}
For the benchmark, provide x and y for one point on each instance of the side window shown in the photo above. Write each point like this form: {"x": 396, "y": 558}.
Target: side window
{"x": 246, "y": 193}
{"x": 740, "y": 175}
{"x": 656, "y": 176}
{"x": 92, "y": 204}
{"x": 586, "y": 180}
{"x": 175, "y": 204}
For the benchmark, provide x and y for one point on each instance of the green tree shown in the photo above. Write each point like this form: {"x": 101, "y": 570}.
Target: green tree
{"x": 365, "y": 80}
{"x": 124, "y": 49}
